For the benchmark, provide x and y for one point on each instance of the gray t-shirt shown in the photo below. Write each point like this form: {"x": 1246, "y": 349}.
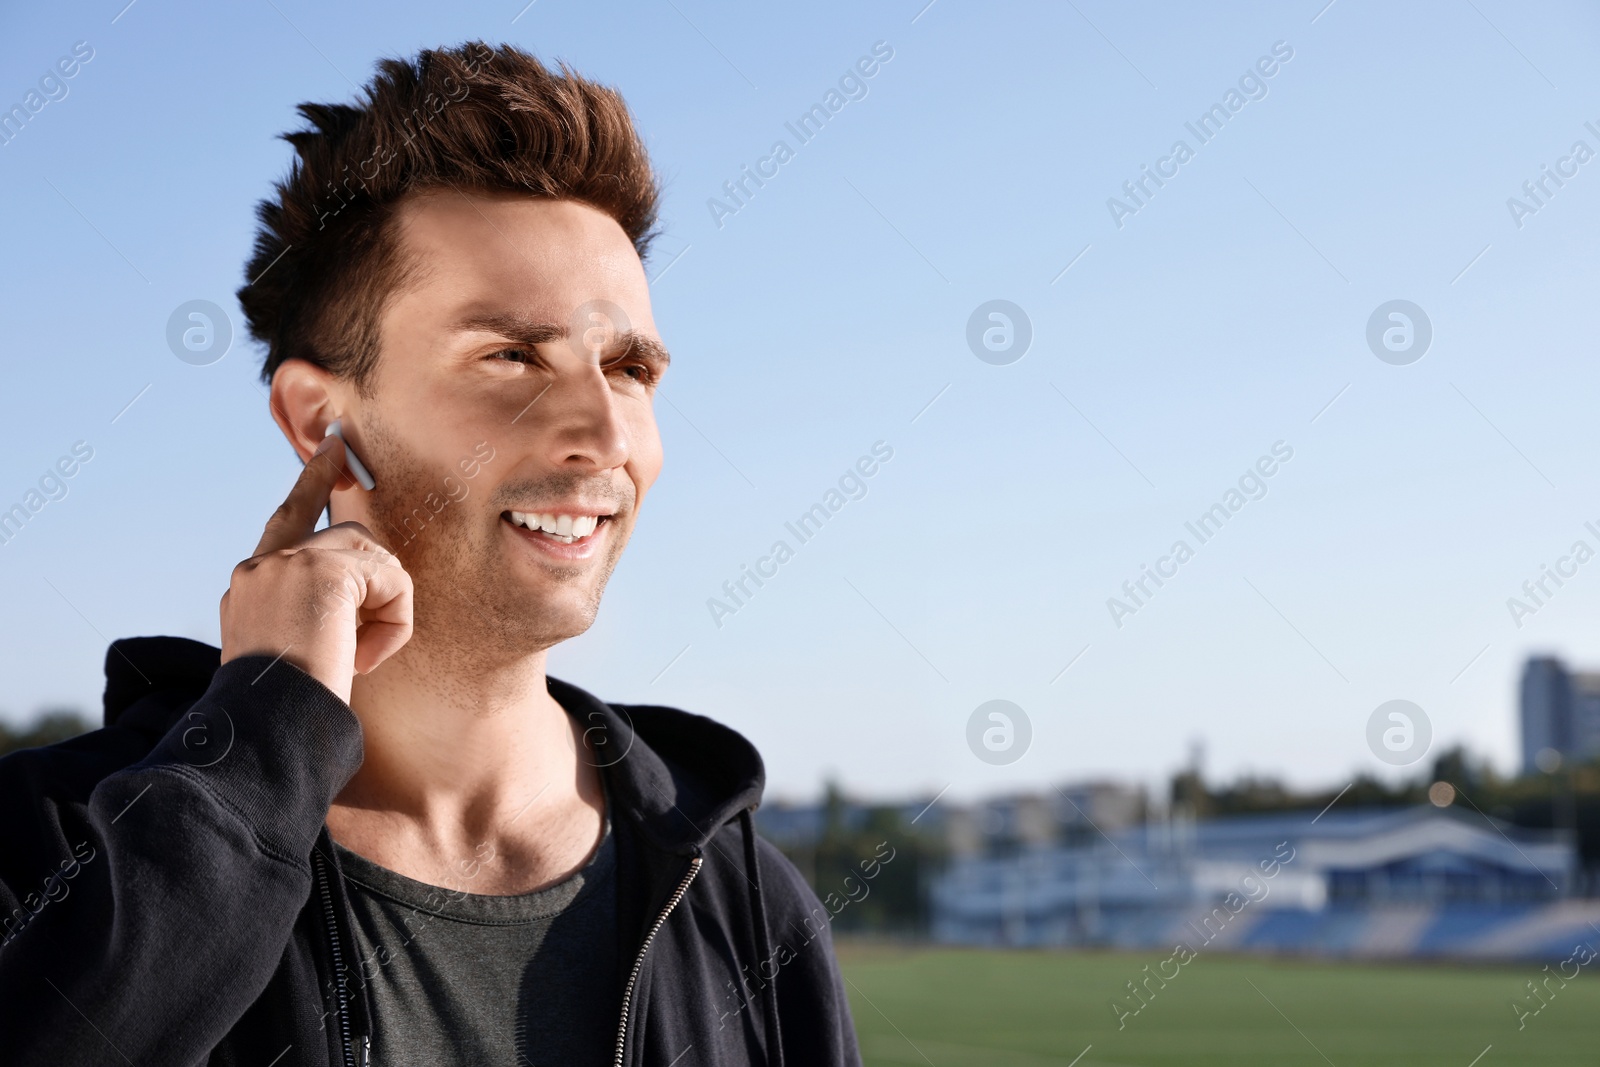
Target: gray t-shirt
{"x": 472, "y": 979}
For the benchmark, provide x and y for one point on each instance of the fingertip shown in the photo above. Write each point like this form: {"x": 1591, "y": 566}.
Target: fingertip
{"x": 328, "y": 459}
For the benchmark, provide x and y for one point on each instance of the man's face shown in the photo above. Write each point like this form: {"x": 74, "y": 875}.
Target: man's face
{"x": 505, "y": 385}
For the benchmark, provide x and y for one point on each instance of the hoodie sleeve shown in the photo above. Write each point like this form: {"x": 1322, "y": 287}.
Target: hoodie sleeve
{"x": 147, "y": 904}
{"x": 814, "y": 1018}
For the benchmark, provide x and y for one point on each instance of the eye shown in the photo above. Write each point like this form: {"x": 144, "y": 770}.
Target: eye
{"x": 514, "y": 355}
{"x": 639, "y": 371}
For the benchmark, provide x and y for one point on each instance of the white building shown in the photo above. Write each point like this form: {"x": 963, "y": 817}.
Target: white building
{"x": 1411, "y": 882}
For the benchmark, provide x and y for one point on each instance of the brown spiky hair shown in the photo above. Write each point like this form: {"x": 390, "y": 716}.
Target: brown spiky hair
{"x": 469, "y": 118}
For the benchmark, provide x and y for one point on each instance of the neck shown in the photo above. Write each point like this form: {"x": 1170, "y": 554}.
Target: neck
{"x": 469, "y": 765}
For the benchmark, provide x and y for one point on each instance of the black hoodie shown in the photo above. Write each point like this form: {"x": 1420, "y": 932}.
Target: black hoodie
{"x": 170, "y": 895}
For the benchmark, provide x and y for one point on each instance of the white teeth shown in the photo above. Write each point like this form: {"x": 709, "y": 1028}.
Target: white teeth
{"x": 563, "y": 528}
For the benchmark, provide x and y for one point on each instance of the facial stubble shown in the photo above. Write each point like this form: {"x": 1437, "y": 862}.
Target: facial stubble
{"x": 446, "y": 530}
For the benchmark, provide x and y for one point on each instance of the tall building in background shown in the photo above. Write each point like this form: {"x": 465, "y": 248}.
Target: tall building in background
{"x": 1546, "y": 710}
{"x": 1560, "y": 713}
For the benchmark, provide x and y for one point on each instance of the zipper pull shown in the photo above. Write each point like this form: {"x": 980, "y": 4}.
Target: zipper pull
{"x": 366, "y": 1051}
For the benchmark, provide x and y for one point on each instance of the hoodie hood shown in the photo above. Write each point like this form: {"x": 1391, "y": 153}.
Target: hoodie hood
{"x": 680, "y": 776}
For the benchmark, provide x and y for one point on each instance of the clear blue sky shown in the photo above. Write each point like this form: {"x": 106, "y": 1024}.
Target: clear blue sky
{"x": 825, "y": 314}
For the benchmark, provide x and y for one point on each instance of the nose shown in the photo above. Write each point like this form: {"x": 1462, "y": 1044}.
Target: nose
{"x": 584, "y": 420}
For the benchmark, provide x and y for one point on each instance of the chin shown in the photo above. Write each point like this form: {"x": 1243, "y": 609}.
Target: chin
{"x": 548, "y": 620}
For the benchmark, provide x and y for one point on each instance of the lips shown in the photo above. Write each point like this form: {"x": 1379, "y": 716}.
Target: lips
{"x": 543, "y": 531}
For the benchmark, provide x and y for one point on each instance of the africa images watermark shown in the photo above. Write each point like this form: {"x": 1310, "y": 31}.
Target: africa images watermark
{"x": 1579, "y": 154}
{"x": 852, "y": 86}
{"x": 52, "y": 485}
{"x": 808, "y": 929}
{"x": 1252, "y": 86}
{"x": 368, "y": 967}
{"x": 1583, "y": 954}
{"x": 455, "y": 491}
{"x": 1254, "y": 891}
{"x": 852, "y": 485}
{"x": 1579, "y": 554}
{"x": 54, "y": 888}
{"x": 1252, "y": 486}
{"x": 52, "y": 88}
{"x": 411, "y": 125}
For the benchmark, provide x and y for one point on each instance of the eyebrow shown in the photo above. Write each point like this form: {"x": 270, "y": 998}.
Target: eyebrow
{"x": 530, "y": 332}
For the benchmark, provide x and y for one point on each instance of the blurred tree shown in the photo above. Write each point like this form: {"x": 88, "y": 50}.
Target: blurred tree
{"x": 48, "y": 727}
{"x": 1189, "y": 793}
{"x": 1458, "y": 767}
{"x": 872, "y": 857}
{"x": 1250, "y": 794}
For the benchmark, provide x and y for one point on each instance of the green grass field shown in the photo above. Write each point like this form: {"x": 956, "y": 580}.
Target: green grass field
{"x": 959, "y": 1007}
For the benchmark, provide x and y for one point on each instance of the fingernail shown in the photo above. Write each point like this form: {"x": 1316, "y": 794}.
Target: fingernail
{"x": 324, "y": 446}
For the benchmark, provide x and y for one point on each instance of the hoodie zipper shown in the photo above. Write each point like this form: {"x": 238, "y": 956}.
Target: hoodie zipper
{"x": 627, "y": 993}
{"x": 338, "y": 967}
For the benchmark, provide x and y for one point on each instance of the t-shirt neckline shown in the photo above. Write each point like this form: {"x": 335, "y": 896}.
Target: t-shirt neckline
{"x": 487, "y": 908}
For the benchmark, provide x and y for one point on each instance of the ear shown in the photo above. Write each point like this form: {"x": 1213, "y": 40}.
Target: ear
{"x": 305, "y": 399}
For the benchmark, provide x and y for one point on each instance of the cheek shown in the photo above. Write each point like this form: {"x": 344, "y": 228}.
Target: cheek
{"x": 645, "y": 456}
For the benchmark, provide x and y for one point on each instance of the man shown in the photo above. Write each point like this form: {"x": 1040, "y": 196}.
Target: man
{"x": 370, "y": 828}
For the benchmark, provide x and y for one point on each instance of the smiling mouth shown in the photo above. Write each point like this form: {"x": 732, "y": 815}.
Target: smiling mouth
{"x": 561, "y": 529}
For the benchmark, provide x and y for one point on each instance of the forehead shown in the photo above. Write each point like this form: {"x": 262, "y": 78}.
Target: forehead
{"x": 538, "y": 256}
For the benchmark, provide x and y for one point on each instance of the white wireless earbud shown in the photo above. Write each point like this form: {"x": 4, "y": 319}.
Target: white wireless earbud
{"x": 357, "y": 471}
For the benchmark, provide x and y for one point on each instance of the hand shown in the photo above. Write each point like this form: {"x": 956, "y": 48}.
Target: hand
{"x": 334, "y": 603}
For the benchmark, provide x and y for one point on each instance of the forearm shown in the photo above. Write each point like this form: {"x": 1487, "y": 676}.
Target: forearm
{"x": 188, "y": 870}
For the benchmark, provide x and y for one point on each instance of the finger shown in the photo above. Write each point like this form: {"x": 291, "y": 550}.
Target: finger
{"x": 349, "y": 535}
{"x": 385, "y": 617}
{"x": 377, "y": 641}
{"x": 361, "y": 578}
{"x": 296, "y": 517}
